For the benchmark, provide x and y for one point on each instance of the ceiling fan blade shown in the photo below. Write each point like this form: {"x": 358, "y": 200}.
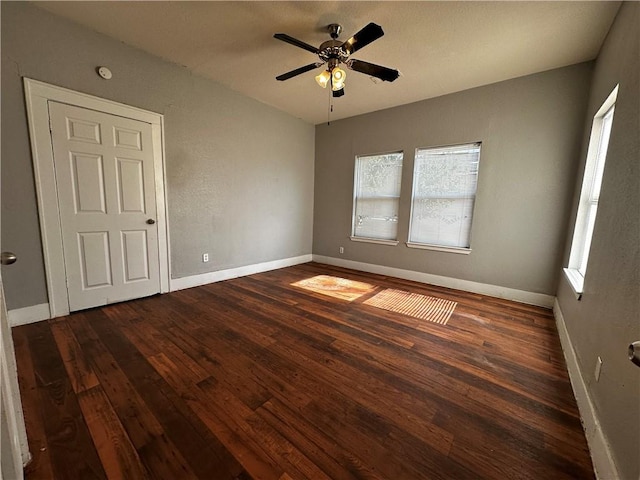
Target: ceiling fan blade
{"x": 363, "y": 38}
{"x": 298, "y": 71}
{"x": 378, "y": 71}
{"x": 294, "y": 41}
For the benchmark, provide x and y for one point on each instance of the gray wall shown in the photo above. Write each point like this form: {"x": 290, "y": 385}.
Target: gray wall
{"x": 607, "y": 318}
{"x": 531, "y": 129}
{"x": 239, "y": 173}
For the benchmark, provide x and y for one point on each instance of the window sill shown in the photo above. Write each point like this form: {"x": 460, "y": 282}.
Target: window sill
{"x": 440, "y": 248}
{"x": 576, "y": 280}
{"x": 379, "y": 241}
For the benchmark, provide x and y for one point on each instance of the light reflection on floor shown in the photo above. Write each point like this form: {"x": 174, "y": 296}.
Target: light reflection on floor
{"x": 335, "y": 287}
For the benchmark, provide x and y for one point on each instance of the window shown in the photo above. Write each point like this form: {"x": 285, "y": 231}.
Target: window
{"x": 444, "y": 192}
{"x": 377, "y": 197}
{"x": 590, "y": 193}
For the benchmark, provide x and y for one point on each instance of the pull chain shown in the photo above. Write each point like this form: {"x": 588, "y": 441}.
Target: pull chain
{"x": 330, "y": 108}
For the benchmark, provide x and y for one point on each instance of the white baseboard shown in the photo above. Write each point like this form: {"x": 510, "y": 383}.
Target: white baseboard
{"x": 23, "y": 316}
{"x": 211, "y": 277}
{"x": 37, "y": 313}
{"x": 521, "y": 296}
{"x": 603, "y": 462}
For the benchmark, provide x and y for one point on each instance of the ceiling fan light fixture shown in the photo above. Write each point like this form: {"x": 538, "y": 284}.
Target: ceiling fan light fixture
{"x": 323, "y": 78}
{"x": 338, "y": 77}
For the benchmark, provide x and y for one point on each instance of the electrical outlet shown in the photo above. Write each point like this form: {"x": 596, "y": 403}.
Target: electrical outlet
{"x": 205, "y": 257}
{"x": 341, "y": 250}
{"x": 598, "y": 369}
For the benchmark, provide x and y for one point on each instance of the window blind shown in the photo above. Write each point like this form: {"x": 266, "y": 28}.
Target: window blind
{"x": 444, "y": 190}
{"x": 377, "y": 196}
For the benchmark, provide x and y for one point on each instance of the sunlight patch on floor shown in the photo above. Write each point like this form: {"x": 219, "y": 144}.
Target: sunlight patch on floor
{"x": 335, "y": 287}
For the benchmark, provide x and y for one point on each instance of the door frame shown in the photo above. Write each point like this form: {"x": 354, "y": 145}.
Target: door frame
{"x": 37, "y": 96}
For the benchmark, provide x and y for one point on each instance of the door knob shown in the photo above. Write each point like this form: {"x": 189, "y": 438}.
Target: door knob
{"x": 151, "y": 221}
{"x": 634, "y": 353}
{"x": 8, "y": 258}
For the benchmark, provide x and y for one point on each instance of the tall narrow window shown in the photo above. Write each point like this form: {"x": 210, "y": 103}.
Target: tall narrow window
{"x": 590, "y": 193}
{"x": 377, "y": 197}
{"x": 444, "y": 191}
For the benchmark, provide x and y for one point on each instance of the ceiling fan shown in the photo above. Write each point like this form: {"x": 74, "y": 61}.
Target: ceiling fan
{"x": 334, "y": 52}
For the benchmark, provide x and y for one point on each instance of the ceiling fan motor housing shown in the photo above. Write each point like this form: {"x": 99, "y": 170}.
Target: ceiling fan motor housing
{"x": 332, "y": 49}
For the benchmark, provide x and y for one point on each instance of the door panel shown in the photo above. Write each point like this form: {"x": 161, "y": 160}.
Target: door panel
{"x": 88, "y": 183}
{"x": 83, "y": 131}
{"x": 130, "y": 185}
{"x": 95, "y": 259}
{"x": 106, "y": 193}
{"x": 128, "y": 138}
{"x": 134, "y": 249}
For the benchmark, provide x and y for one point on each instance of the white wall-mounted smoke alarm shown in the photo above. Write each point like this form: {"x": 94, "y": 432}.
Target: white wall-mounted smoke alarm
{"x": 105, "y": 73}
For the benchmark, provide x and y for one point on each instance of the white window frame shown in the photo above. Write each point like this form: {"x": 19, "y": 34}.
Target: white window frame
{"x": 356, "y": 180}
{"x": 590, "y": 194}
{"x": 427, "y": 246}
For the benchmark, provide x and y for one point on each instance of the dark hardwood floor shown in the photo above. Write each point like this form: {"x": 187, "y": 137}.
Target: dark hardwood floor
{"x": 252, "y": 378}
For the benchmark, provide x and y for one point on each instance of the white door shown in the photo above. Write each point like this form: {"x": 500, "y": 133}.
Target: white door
{"x": 14, "y": 451}
{"x": 12, "y": 429}
{"x": 105, "y": 179}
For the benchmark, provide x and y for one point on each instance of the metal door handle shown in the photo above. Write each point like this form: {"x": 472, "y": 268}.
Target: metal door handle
{"x": 151, "y": 221}
{"x": 8, "y": 258}
{"x": 634, "y": 353}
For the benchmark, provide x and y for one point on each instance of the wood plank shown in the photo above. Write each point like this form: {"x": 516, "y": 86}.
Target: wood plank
{"x": 151, "y": 342}
{"x": 364, "y": 323}
{"x": 118, "y": 455}
{"x": 248, "y": 379}
{"x": 72, "y": 452}
{"x": 139, "y": 422}
{"x": 40, "y": 465}
{"x": 159, "y": 456}
{"x": 338, "y": 463}
{"x": 488, "y": 399}
{"x": 288, "y": 457}
{"x": 80, "y": 373}
{"x": 195, "y": 449}
{"x": 489, "y": 450}
{"x": 247, "y": 450}
{"x": 253, "y": 378}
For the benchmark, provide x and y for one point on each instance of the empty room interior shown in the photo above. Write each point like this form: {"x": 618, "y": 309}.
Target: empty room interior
{"x": 320, "y": 240}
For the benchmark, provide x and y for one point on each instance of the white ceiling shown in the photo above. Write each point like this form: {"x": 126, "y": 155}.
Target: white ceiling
{"x": 439, "y": 47}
